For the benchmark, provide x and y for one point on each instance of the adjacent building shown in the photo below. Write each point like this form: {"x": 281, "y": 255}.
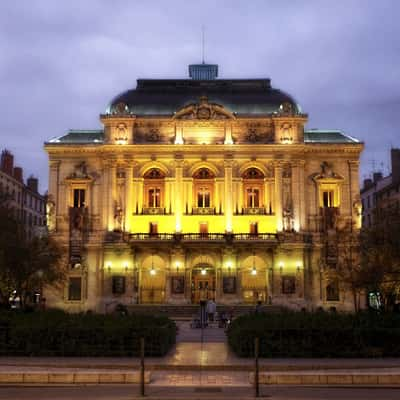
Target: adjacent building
{"x": 202, "y": 188}
{"x": 24, "y": 198}
{"x": 380, "y": 195}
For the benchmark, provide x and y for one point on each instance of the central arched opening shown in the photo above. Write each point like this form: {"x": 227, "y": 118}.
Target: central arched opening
{"x": 203, "y": 283}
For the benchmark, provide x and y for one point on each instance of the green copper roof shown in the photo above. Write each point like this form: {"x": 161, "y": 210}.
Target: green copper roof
{"x": 96, "y": 137}
{"x": 327, "y": 136}
{"x": 80, "y": 136}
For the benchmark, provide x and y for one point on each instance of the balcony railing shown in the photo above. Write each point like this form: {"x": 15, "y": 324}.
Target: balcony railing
{"x": 153, "y": 211}
{"x": 254, "y": 210}
{"x": 151, "y": 237}
{"x": 203, "y": 236}
{"x": 254, "y": 236}
{"x": 203, "y": 211}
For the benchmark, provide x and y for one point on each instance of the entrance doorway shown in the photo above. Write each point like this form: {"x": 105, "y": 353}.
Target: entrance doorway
{"x": 203, "y": 283}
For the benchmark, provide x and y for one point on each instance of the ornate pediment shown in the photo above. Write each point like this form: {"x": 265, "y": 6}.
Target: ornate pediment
{"x": 327, "y": 173}
{"x": 203, "y": 110}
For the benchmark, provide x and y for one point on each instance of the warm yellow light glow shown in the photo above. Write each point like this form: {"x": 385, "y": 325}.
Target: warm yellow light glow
{"x": 126, "y": 265}
{"x": 152, "y": 271}
{"x": 203, "y": 271}
{"x": 229, "y": 264}
{"x": 254, "y": 271}
{"x": 281, "y": 265}
{"x": 121, "y": 141}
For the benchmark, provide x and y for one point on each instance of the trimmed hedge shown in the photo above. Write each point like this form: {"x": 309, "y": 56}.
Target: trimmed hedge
{"x": 319, "y": 334}
{"x": 56, "y": 333}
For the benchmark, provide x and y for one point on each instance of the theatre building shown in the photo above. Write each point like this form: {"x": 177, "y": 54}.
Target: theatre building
{"x": 201, "y": 188}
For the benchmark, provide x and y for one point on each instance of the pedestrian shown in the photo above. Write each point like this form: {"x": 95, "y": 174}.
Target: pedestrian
{"x": 211, "y": 309}
{"x": 258, "y": 307}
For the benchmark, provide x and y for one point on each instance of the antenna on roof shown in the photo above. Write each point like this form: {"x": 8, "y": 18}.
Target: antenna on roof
{"x": 202, "y": 44}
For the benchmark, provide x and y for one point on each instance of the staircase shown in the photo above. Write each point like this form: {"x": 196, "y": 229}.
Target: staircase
{"x": 210, "y": 334}
{"x": 187, "y": 311}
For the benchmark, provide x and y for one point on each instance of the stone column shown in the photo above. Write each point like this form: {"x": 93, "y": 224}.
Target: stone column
{"x": 190, "y": 194}
{"x": 128, "y": 196}
{"x": 167, "y": 195}
{"x": 354, "y": 188}
{"x": 240, "y": 195}
{"x": 53, "y": 192}
{"x": 111, "y": 188}
{"x": 140, "y": 201}
{"x": 278, "y": 197}
{"x": 178, "y": 194}
{"x": 295, "y": 195}
{"x": 178, "y": 134}
{"x": 266, "y": 199}
{"x": 228, "y": 195}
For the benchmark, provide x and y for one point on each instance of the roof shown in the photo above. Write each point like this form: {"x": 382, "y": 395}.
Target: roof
{"x": 80, "y": 136}
{"x": 74, "y": 136}
{"x": 327, "y": 136}
{"x": 163, "y": 97}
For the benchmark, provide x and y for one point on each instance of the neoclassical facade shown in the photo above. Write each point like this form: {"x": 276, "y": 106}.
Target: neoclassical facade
{"x": 199, "y": 189}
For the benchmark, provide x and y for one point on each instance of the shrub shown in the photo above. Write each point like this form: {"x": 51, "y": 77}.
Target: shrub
{"x": 318, "y": 334}
{"x": 54, "y": 332}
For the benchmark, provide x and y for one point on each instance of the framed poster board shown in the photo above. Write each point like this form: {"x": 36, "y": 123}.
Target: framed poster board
{"x": 229, "y": 284}
{"x": 177, "y": 284}
{"x": 288, "y": 284}
{"x": 118, "y": 284}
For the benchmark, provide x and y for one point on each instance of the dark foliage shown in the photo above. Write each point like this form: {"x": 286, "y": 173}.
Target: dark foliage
{"x": 56, "y": 333}
{"x": 319, "y": 334}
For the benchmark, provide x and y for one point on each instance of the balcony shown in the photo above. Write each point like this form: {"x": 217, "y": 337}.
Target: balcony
{"x": 254, "y": 237}
{"x": 203, "y": 211}
{"x": 153, "y": 211}
{"x": 202, "y": 237}
{"x": 253, "y": 211}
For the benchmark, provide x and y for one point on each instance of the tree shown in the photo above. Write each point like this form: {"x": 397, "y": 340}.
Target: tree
{"x": 381, "y": 256}
{"x": 26, "y": 264}
{"x": 348, "y": 266}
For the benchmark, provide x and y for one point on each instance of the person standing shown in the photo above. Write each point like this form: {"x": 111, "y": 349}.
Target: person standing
{"x": 211, "y": 309}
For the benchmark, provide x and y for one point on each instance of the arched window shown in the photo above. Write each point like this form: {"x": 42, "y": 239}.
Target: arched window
{"x": 203, "y": 186}
{"x": 253, "y": 184}
{"x": 153, "y": 190}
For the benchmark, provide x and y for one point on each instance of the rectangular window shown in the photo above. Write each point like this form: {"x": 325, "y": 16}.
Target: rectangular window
{"x": 254, "y": 228}
{"x": 79, "y": 198}
{"x": 328, "y": 198}
{"x": 118, "y": 284}
{"x": 153, "y": 228}
{"x": 154, "y": 197}
{"x": 332, "y": 291}
{"x": 253, "y": 198}
{"x": 203, "y": 227}
{"x": 75, "y": 289}
{"x": 203, "y": 197}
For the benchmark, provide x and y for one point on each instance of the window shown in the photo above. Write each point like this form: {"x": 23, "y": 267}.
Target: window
{"x": 254, "y": 228}
{"x": 79, "y": 198}
{"x": 203, "y": 197}
{"x": 118, "y": 284}
{"x": 332, "y": 291}
{"x": 75, "y": 289}
{"x": 288, "y": 284}
{"x": 154, "y": 195}
{"x": 253, "y": 197}
{"x": 203, "y": 227}
{"x": 328, "y": 198}
{"x": 153, "y": 228}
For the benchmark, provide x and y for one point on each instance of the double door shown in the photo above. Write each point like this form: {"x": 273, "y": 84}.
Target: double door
{"x": 203, "y": 288}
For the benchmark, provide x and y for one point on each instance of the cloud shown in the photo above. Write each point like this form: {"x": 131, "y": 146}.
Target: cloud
{"x": 62, "y": 62}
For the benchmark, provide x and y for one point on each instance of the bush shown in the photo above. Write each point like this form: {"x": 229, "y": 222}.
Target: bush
{"x": 56, "y": 333}
{"x": 318, "y": 334}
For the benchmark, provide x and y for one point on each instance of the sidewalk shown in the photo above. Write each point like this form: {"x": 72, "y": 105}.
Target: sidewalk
{"x": 197, "y": 363}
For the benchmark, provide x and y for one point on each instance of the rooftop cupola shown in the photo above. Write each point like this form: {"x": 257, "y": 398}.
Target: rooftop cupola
{"x": 203, "y": 72}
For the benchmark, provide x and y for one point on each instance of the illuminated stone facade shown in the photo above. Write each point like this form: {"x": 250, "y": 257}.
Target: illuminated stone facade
{"x": 201, "y": 189}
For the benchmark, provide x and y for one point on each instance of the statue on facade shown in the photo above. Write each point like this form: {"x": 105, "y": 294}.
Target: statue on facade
{"x": 51, "y": 214}
{"x": 288, "y": 219}
{"x": 118, "y": 218}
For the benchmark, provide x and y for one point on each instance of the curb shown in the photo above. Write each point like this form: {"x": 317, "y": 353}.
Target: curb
{"x": 327, "y": 379}
{"x": 72, "y": 378}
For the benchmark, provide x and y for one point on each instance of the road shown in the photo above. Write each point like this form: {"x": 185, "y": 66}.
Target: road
{"x": 130, "y": 392}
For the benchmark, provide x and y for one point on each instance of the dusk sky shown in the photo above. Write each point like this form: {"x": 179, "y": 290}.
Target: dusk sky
{"x": 61, "y": 62}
